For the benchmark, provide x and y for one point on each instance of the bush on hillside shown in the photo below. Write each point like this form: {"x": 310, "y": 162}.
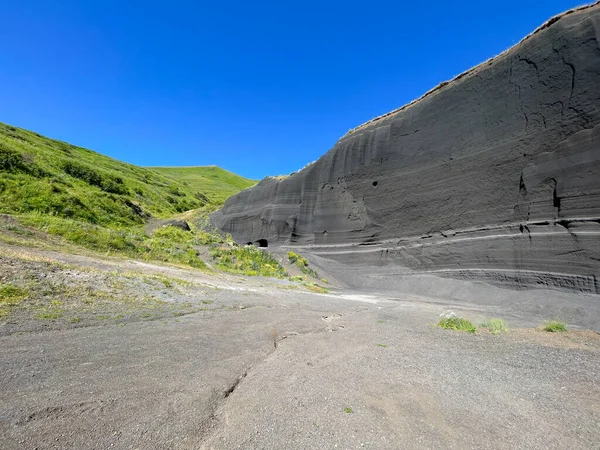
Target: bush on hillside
{"x": 302, "y": 263}
{"x": 107, "y": 183}
{"x": 247, "y": 260}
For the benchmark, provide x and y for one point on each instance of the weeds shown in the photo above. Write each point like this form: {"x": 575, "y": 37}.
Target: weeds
{"x": 495, "y": 326}
{"x": 302, "y": 263}
{"x": 11, "y": 295}
{"x": 451, "y": 321}
{"x": 247, "y": 260}
{"x": 555, "y": 326}
{"x": 314, "y": 287}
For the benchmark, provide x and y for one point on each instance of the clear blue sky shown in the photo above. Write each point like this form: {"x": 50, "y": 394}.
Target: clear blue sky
{"x": 259, "y": 88}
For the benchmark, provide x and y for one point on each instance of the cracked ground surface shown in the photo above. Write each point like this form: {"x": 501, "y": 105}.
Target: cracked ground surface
{"x": 268, "y": 368}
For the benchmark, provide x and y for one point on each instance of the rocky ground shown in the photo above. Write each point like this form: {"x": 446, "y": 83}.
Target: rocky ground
{"x": 107, "y": 353}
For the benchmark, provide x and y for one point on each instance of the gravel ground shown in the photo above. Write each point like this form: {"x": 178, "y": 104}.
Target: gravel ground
{"x": 271, "y": 368}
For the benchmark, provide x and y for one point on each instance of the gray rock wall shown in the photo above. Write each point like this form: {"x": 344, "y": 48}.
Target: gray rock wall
{"x": 494, "y": 175}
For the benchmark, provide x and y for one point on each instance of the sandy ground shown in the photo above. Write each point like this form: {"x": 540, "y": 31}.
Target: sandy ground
{"x": 255, "y": 364}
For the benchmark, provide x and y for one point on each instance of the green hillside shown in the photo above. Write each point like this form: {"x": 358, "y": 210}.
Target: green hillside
{"x": 47, "y": 176}
{"x": 216, "y": 183}
{"x": 89, "y": 199}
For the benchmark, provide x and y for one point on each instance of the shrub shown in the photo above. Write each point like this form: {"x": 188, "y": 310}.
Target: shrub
{"x": 451, "y": 321}
{"x": 11, "y": 161}
{"x": 555, "y": 326}
{"x": 174, "y": 190}
{"x": 83, "y": 172}
{"x": 106, "y": 182}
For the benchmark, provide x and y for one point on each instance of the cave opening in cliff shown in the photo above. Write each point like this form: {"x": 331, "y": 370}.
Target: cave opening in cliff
{"x": 262, "y": 243}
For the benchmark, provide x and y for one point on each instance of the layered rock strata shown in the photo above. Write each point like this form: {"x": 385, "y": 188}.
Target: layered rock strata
{"x": 494, "y": 175}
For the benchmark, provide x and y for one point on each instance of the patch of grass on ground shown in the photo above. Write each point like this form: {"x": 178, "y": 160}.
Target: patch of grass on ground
{"x": 297, "y": 278}
{"x": 314, "y": 287}
{"x": 555, "y": 326}
{"x": 495, "y": 326}
{"x": 171, "y": 244}
{"x": 49, "y": 315}
{"x": 247, "y": 260}
{"x": 348, "y": 410}
{"x": 381, "y": 345}
{"x": 451, "y": 321}
{"x": 302, "y": 263}
{"x": 10, "y": 297}
{"x": 76, "y": 296}
{"x": 167, "y": 244}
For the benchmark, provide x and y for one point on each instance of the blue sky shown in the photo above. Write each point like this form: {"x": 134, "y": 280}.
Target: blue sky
{"x": 259, "y": 88}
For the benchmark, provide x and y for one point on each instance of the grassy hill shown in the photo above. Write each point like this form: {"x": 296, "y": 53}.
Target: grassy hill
{"x": 98, "y": 202}
{"x": 47, "y": 176}
{"x": 216, "y": 183}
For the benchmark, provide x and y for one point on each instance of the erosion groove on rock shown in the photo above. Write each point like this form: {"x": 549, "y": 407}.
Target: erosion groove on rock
{"x": 493, "y": 176}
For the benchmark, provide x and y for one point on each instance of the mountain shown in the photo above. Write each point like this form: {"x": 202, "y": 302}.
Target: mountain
{"x": 492, "y": 176}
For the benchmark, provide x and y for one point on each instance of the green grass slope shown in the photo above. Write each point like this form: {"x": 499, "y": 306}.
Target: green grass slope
{"x": 97, "y": 202}
{"x": 216, "y": 183}
{"x": 46, "y": 176}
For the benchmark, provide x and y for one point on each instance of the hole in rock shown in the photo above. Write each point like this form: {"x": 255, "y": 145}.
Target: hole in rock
{"x": 555, "y": 200}
{"x": 262, "y": 243}
{"x": 375, "y": 183}
{"x": 249, "y": 243}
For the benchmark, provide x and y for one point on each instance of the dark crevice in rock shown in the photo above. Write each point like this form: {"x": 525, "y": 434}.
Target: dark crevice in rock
{"x": 528, "y": 232}
{"x": 235, "y": 384}
{"x": 556, "y": 200}
{"x": 531, "y": 63}
{"x": 522, "y": 187}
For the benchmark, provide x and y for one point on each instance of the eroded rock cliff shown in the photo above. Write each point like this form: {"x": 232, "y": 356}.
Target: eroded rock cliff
{"x": 494, "y": 175}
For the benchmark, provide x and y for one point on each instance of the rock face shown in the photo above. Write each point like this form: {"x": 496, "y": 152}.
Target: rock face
{"x": 494, "y": 175}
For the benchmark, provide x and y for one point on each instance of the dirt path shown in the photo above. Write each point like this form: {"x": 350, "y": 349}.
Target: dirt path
{"x": 271, "y": 368}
